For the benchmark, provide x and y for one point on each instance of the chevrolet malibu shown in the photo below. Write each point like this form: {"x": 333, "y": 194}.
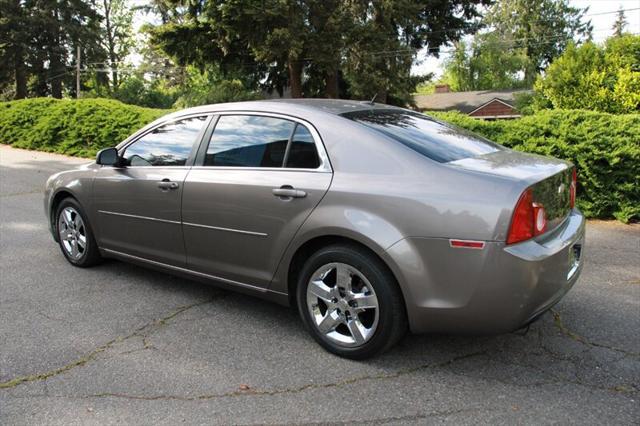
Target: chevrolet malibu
{"x": 370, "y": 219}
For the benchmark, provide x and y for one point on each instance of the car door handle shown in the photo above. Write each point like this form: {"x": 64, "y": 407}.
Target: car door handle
{"x": 287, "y": 191}
{"x": 166, "y": 184}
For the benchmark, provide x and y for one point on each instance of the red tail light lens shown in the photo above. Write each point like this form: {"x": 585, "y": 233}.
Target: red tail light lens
{"x": 574, "y": 188}
{"x": 522, "y": 221}
{"x": 529, "y": 219}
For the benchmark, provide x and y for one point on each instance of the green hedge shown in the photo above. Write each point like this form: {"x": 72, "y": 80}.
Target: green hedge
{"x": 605, "y": 148}
{"x": 72, "y": 127}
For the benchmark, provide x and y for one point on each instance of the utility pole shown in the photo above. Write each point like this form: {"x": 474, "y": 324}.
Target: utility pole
{"x": 78, "y": 73}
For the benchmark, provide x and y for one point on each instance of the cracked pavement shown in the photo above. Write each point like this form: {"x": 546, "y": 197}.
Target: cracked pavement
{"x": 121, "y": 344}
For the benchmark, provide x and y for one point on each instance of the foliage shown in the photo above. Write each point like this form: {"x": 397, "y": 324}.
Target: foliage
{"x": 201, "y": 88}
{"x": 117, "y": 33}
{"x": 487, "y": 64}
{"x": 345, "y": 49}
{"x": 72, "y": 127}
{"x": 39, "y": 41}
{"x": 598, "y": 78}
{"x": 521, "y": 39}
{"x": 384, "y": 37}
{"x": 538, "y": 29}
{"x": 604, "y": 147}
{"x": 620, "y": 23}
{"x": 426, "y": 87}
{"x": 525, "y": 102}
{"x": 137, "y": 91}
{"x": 188, "y": 87}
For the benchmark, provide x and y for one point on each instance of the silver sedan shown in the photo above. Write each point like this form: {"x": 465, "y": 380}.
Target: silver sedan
{"x": 372, "y": 220}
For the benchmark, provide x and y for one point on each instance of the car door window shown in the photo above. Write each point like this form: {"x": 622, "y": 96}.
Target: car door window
{"x": 302, "y": 152}
{"x": 248, "y": 141}
{"x": 167, "y": 145}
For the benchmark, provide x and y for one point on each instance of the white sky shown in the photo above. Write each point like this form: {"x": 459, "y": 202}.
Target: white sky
{"x": 602, "y": 28}
{"x": 602, "y": 23}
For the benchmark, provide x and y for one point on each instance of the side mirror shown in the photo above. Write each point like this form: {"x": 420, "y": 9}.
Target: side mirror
{"x": 108, "y": 157}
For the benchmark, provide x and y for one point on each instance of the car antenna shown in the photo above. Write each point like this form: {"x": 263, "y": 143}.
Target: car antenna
{"x": 373, "y": 100}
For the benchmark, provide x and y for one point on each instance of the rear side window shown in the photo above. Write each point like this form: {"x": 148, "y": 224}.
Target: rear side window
{"x": 431, "y": 138}
{"x": 302, "y": 151}
{"x": 258, "y": 141}
{"x": 167, "y": 145}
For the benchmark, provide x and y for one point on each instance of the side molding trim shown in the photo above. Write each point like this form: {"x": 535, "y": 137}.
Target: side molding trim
{"x": 155, "y": 219}
{"x": 175, "y": 222}
{"x": 190, "y": 271}
{"x": 217, "y": 228}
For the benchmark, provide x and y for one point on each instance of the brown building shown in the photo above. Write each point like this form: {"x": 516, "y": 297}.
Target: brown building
{"x": 485, "y": 104}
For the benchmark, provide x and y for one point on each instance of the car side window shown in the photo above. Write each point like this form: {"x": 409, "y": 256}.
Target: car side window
{"x": 259, "y": 141}
{"x": 167, "y": 145}
{"x": 302, "y": 151}
{"x": 248, "y": 141}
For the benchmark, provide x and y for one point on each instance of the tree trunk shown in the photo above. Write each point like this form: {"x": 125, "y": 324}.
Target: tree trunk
{"x": 111, "y": 44}
{"x": 331, "y": 84}
{"x": 20, "y": 74}
{"x": 40, "y": 87}
{"x": 295, "y": 78}
{"x": 382, "y": 96}
{"x": 57, "y": 73}
{"x": 56, "y": 65}
{"x": 114, "y": 71}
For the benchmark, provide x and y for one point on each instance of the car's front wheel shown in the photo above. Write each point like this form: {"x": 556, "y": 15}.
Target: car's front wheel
{"x": 350, "y": 302}
{"x": 75, "y": 235}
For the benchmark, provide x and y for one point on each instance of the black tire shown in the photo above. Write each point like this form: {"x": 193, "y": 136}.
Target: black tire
{"x": 88, "y": 255}
{"x": 392, "y": 317}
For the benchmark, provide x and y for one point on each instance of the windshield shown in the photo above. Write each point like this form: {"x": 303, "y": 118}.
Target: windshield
{"x": 433, "y": 139}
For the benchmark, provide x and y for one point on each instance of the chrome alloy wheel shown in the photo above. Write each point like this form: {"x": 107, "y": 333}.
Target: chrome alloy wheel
{"x": 73, "y": 233}
{"x": 342, "y": 304}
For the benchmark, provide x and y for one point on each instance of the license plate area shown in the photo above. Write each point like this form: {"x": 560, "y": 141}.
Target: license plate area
{"x": 575, "y": 253}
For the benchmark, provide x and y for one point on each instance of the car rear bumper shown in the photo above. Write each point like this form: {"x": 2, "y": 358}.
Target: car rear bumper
{"x": 495, "y": 289}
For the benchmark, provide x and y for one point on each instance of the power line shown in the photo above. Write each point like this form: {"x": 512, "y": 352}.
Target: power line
{"x": 613, "y": 11}
{"x": 508, "y": 44}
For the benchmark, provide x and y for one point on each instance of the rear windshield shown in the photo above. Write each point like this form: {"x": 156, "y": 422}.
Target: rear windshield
{"x": 433, "y": 139}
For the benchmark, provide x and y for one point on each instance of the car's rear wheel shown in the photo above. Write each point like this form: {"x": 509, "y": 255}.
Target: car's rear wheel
{"x": 75, "y": 236}
{"x": 350, "y": 302}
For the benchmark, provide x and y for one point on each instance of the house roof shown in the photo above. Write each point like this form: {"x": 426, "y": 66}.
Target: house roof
{"x": 464, "y": 102}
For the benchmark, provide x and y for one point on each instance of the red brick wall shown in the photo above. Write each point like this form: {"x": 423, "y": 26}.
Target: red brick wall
{"x": 494, "y": 108}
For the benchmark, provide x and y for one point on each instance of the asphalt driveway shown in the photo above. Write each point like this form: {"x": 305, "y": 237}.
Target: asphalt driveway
{"x": 121, "y": 344}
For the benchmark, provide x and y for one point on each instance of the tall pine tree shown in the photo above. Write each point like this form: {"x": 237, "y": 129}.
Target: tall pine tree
{"x": 620, "y": 23}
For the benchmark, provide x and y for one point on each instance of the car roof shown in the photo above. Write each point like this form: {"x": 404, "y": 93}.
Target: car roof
{"x": 331, "y": 106}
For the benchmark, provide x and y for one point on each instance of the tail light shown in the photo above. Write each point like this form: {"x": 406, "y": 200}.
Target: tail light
{"x": 529, "y": 219}
{"x": 539, "y": 219}
{"x": 573, "y": 188}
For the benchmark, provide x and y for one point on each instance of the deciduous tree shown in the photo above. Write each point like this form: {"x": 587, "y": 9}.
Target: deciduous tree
{"x": 541, "y": 28}
{"x": 489, "y": 63}
{"x": 117, "y": 29}
{"x": 597, "y": 78}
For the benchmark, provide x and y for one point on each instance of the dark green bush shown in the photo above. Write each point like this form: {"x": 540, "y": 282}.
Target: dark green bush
{"x": 605, "y": 148}
{"x": 72, "y": 127}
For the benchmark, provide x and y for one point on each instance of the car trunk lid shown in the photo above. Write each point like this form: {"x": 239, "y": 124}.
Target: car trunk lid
{"x": 549, "y": 178}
